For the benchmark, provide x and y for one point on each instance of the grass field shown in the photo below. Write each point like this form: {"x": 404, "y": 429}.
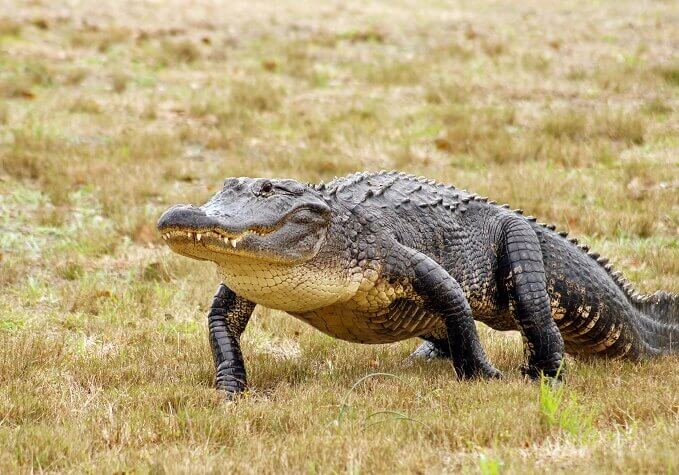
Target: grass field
{"x": 110, "y": 111}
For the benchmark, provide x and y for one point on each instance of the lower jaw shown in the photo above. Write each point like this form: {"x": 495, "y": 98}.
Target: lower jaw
{"x": 197, "y": 251}
{"x": 223, "y": 257}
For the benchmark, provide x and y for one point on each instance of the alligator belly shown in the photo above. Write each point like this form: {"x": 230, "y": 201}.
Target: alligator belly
{"x": 400, "y": 321}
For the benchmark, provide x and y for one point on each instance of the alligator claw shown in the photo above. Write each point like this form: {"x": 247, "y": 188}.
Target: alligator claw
{"x": 483, "y": 372}
{"x": 231, "y": 394}
{"x": 491, "y": 373}
{"x": 427, "y": 351}
{"x": 536, "y": 374}
{"x": 551, "y": 367}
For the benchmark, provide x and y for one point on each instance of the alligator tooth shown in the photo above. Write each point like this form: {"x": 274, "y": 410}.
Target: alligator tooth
{"x": 226, "y": 240}
{"x": 198, "y": 236}
{"x": 165, "y": 236}
{"x": 189, "y": 234}
{"x": 233, "y": 243}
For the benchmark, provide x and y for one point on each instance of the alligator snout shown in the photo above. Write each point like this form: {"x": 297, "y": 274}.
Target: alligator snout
{"x": 184, "y": 217}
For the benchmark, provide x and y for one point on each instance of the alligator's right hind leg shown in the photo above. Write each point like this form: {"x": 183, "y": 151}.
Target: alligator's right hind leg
{"x": 522, "y": 271}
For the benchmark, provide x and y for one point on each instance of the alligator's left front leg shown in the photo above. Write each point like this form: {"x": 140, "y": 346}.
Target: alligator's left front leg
{"x": 227, "y": 319}
{"x": 435, "y": 289}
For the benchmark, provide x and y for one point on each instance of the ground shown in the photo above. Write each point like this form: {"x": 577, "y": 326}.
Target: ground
{"x": 110, "y": 111}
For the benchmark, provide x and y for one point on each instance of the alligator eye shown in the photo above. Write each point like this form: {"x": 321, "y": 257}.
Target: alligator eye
{"x": 267, "y": 187}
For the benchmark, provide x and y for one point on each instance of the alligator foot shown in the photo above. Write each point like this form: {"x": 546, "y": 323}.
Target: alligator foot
{"x": 429, "y": 351}
{"x": 230, "y": 378}
{"x": 551, "y": 368}
{"x": 483, "y": 371}
{"x": 231, "y": 395}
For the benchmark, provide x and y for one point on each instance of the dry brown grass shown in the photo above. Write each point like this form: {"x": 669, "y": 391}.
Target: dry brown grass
{"x": 104, "y": 362}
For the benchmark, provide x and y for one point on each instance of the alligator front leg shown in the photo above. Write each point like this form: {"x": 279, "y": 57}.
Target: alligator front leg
{"x": 431, "y": 350}
{"x": 523, "y": 272}
{"x": 441, "y": 295}
{"x": 227, "y": 319}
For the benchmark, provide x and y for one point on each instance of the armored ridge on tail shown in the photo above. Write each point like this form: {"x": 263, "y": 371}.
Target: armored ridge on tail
{"x": 381, "y": 257}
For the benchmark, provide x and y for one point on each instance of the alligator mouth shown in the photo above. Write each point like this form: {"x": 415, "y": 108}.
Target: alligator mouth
{"x": 211, "y": 236}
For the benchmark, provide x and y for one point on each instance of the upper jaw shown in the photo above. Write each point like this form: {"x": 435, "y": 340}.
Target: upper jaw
{"x": 188, "y": 224}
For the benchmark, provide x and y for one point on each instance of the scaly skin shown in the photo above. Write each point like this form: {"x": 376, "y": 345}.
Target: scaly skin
{"x": 382, "y": 257}
{"x": 227, "y": 319}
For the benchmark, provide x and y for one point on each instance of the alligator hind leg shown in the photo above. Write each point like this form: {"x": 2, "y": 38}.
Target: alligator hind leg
{"x": 523, "y": 273}
{"x": 228, "y": 316}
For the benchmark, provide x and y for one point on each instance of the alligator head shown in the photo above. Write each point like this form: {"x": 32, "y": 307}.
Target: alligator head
{"x": 274, "y": 221}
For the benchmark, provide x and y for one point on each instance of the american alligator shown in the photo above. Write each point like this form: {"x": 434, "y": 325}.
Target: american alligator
{"x": 382, "y": 257}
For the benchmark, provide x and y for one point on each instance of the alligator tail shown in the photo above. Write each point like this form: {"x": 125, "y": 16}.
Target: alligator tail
{"x": 660, "y": 320}
{"x": 661, "y": 306}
